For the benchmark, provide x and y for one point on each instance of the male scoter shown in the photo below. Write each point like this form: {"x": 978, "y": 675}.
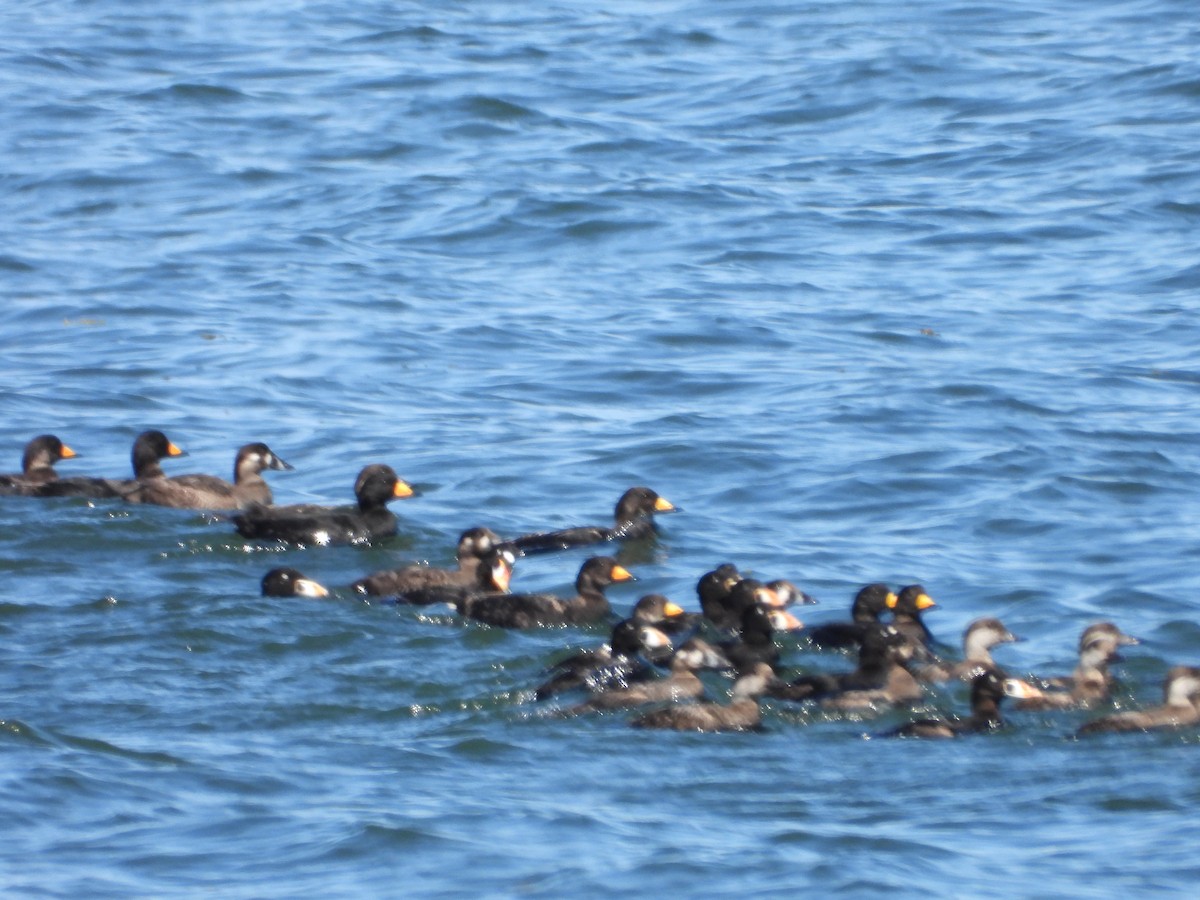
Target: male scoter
{"x": 1181, "y": 706}
{"x": 979, "y": 637}
{"x": 869, "y": 604}
{"x": 713, "y": 589}
{"x": 906, "y": 616}
{"x": 741, "y": 714}
{"x": 198, "y": 491}
{"x": 988, "y": 688}
{"x": 657, "y": 610}
{"x": 1091, "y": 682}
{"x": 306, "y": 523}
{"x": 37, "y": 465}
{"x": 285, "y": 582}
{"x": 148, "y": 448}
{"x": 633, "y": 520}
{"x": 533, "y": 610}
{"x": 473, "y": 545}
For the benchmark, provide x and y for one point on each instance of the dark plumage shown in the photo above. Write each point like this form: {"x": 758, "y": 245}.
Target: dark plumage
{"x": 713, "y": 589}
{"x": 1091, "y": 682}
{"x": 907, "y": 608}
{"x": 755, "y": 642}
{"x": 869, "y": 604}
{"x": 285, "y": 582}
{"x": 880, "y": 678}
{"x": 148, "y": 448}
{"x": 473, "y": 545}
{"x": 305, "y": 523}
{"x": 681, "y": 684}
{"x": 979, "y": 637}
{"x": 1180, "y": 707}
{"x": 741, "y": 714}
{"x": 657, "y": 610}
{"x": 198, "y": 491}
{"x": 37, "y": 465}
{"x": 492, "y": 575}
{"x": 988, "y": 688}
{"x": 615, "y": 664}
{"x": 533, "y": 610}
{"x": 633, "y": 520}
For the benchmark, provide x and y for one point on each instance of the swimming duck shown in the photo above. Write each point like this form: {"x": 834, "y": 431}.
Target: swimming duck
{"x": 37, "y": 465}
{"x": 286, "y": 582}
{"x": 148, "y": 448}
{"x": 306, "y": 523}
{"x": 741, "y": 714}
{"x": 198, "y": 491}
{"x": 979, "y": 637}
{"x": 907, "y": 608}
{"x": 618, "y": 663}
{"x": 633, "y": 520}
{"x": 492, "y": 575}
{"x": 880, "y": 678}
{"x": 532, "y": 610}
{"x": 657, "y": 610}
{"x": 988, "y": 689}
{"x": 681, "y": 684}
{"x": 1181, "y": 707}
{"x": 473, "y": 545}
{"x": 869, "y": 604}
{"x": 1091, "y": 682}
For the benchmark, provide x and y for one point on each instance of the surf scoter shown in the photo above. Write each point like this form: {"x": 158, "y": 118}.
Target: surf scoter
{"x": 533, "y": 610}
{"x": 37, "y": 465}
{"x": 198, "y": 491}
{"x": 148, "y": 448}
{"x": 285, "y": 582}
{"x": 633, "y": 520}
{"x": 1181, "y": 707}
{"x": 880, "y": 678}
{"x": 622, "y": 660}
{"x": 741, "y": 714}
{"x": 681, "y": 684}
{"x": 492, "y": 575}
{"x": 306, "y": 523}
{"x": 473, "y": 545}
{"x": 1091, "y": 682}
{"x": 869, "y": 604}
{"x": 979, "y": 637}
{"x": 988, "y": 689}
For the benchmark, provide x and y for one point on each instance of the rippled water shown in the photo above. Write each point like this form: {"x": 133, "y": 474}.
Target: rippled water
{"x": 873, "y": 291}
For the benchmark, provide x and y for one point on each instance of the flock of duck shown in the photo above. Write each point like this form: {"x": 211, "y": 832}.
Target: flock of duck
{"x": 652, "y": 661}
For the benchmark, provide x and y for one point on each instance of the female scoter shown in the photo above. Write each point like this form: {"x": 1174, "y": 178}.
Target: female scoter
{"x": 988, "y": 688}
{"x": 623, "y": 660}
{"x": 869, "y": 604}
{"x": 285, "y": 582}
{"x": 148, "y": 448}
{"x": 681, "y": 684}
{"x": 37, "y": 465}
{"x": 533, "y": 610}
{"x": 880, "y": 679}
{"x": 1091, "y": 682}
{"x": 979, "y": 637}
{"x": 634, "y": 520}
{"x": 306, "y": 523}
{"x": 1181, "y": 706}
{"x": 473, "y": 545}
{"x": 198, "y": 491}
{"x": 741, "y": 714}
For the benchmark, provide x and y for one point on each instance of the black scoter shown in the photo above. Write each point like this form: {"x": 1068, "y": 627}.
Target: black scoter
{"x": 305, "y": 523}
{"x": 37, "y": 465}
{"x": 624, "y": 659}
{"x": 988, "y": 689}
{"x": 148, "y": 448}
{"x": 633, "y": 520}
{"x": 870, "y": 603}
{"x": 199, "y": 491}
{"x": 1091, "y": 682}
{"x": 681, "y": 684}
{"x": 741, "y": 714}
{"x": 979, "y": 637}
{"x": 1180, "y": 707}
{"x": 286, "y": 582}
{"x": 533, "y": 610}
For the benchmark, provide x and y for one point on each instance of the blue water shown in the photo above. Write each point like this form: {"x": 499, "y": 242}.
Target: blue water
{"x": 873, "y": 291}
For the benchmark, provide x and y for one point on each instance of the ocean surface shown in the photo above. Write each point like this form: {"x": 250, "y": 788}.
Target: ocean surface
{"x": 872, "y": 291}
